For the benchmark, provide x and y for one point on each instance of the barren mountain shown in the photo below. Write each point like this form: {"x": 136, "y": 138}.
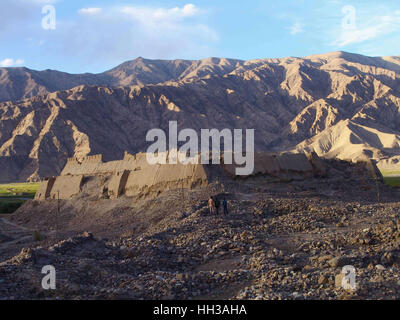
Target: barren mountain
{"x": 21, "y": 83}
{"x": 338, "y": 104}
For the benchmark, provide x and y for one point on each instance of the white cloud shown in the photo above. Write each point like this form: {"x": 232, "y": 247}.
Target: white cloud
{"x": 296, "y": 28}
{"x": 89, "y": 11}
{"x": 167, "y": 22}
{"x": 190, "y": 10}
{"x": 9, "y": 62}
{"x": 149, "y": 15}
{"x": 149, "y": 31}
{"x": 43, "y": 1}
{"x": 375, "y": 28}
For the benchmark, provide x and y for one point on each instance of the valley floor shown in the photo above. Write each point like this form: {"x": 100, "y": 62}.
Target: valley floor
{"x": 280, "y": 241}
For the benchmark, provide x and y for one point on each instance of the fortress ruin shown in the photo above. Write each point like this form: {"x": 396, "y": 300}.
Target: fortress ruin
{"x": 134, "y": 176}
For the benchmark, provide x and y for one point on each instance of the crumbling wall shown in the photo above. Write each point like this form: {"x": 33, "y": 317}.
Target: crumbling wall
{"x": 320, "y": 168}
{"x": 296, "y": 162}
{"x": 66, "y": 187}
{"x": 130, "y": 176}
{"x": 374, "y": 172}
{"x": 158, "y": 178}
{"x": 93, "y": 165}
{"x": 117, "y": 184}
{"x": 45, "y": 188}
{"x": 89, "y": 165}
{"x": 266, "y": 164}
{"x": 71, "y": 167}
{"x": 367, "y": 169}
{"x": 282, "y": 166}
{"x": 135, "y": 176}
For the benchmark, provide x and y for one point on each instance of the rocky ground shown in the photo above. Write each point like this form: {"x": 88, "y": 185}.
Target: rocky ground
{"x": 287, "y": 241}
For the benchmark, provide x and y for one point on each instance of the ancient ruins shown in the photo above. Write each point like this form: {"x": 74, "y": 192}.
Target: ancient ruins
{"x": 133, "y": 175}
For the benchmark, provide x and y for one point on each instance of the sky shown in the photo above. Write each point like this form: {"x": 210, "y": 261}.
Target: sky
{"x": 95, "y": 35}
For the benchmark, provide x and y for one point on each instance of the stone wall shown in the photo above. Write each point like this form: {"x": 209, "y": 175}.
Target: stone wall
{"x": 370, "y": 170}
{"x": 319, "y": 167}
{"x": 135, "y": 176}
{"x": 93, "y": 165}
{"x": 284, "y": 166}
{"x": 66, "y": 187}
{"x": 158, "y": 178}
{"x": 45, "y": 188}
{"x": 117, "y": 184}
{"x": 131, "y": 176}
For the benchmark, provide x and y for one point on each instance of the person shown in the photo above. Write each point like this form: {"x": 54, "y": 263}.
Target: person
{"x": 225, "y": 206}
{"x": 211, "y": 205}
{"x": 217, "y": 205}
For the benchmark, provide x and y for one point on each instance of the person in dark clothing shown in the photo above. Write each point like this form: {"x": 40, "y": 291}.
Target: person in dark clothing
{"x": 225, "y": 206}
{"x": 217, "y": 205}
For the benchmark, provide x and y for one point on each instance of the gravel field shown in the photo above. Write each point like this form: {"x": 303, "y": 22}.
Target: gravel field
{"x": 280, "y": 241}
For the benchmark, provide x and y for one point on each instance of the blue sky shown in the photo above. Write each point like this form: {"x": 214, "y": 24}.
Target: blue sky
{"x": 95, "y": 35}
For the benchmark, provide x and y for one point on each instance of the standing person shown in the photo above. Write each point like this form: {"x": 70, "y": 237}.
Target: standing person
{"x": 211, "y": 205}
{"x": 225, "y": 206}
{"x": 217, "y": 204}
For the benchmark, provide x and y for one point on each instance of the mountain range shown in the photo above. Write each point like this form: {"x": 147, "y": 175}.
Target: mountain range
{"x": 337, "y": 104}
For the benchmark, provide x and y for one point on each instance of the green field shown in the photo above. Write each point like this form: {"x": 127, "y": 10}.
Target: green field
{"x": 392, "y": 178}
{"x": 392, "y": 181}
{"x": 13, "y": 195}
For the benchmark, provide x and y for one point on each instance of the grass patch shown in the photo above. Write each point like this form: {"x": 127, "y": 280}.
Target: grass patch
{"x": 390, "y": 173}
{"x": 391, "y": 178}
{"x": 14, "y": 195}
{"x": 18, "y": 190}
{"x": 392, "y": 181}
{"x": 10, "y": 205}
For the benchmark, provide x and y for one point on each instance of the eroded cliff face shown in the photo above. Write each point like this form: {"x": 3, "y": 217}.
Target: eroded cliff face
{"x": 339, "y": 105}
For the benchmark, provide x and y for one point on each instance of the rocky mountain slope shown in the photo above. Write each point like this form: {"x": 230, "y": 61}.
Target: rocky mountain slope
{"x": 338, "y": 104}
{"x": 21, "y": 83}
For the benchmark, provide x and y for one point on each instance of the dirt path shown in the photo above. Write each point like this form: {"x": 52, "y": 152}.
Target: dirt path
{"x": 14, "y": 226}
{"x": 12, "y": 238}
